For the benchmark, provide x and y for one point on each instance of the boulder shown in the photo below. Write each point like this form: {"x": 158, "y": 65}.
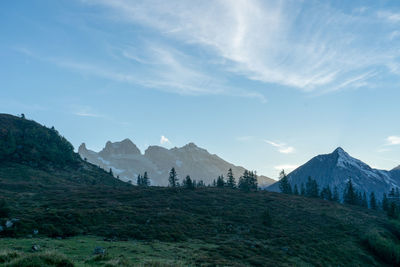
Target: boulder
{"x": 99, "y": 251}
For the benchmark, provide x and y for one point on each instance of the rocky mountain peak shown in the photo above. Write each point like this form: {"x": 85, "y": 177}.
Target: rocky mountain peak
{"x": 124, "y": 147}
{"x": 82, "y": 148}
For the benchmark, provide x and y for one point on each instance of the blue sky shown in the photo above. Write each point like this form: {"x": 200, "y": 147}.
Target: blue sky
{"x": 263, "y": 84}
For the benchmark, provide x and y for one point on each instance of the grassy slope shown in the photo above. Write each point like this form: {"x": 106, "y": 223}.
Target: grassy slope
{"x": 302, "y": 230}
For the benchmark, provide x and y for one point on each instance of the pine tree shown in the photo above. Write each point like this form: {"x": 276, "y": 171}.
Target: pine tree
{"x": 188, "y": 183}
{"x": 284, "y": 184}
{"x": 326, "y": 193}
{"x": 392, "y": 211}
{"x": 392, "y": 193}
{"x": 248, "y": 181}
{"x": 335, "y": 196}
{"x": 173, "y": 178}
{"x": 302, "y": 189}
{"x": 139, "y": 180}
{"x": 220, "y": 181}
{"x": 312, "y": 188}
{"x": 372, "y": 201}
{"x": 295, "y": 190}
{"x": 111, "y": 172}
{"x": 350, "y": 195}
{"x": 231, "y": 183}
{"x": 385, "y": 202}
{"x": 364, "y": 202}
{"x": 145, "y": 180}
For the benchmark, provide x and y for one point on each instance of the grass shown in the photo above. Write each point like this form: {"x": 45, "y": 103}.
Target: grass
{"x": 209, "y": 226}
{"x": 79, "y": 251}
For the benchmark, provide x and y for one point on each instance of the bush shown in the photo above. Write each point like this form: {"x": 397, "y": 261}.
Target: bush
{"x": 383, "y": 247}
{"x": 41, "y": 260}
{"x": 4, "y": 209}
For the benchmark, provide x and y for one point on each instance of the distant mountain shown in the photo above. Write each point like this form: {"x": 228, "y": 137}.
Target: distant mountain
{"x": 126, "y": 161}
{"x": 337, "y": 168}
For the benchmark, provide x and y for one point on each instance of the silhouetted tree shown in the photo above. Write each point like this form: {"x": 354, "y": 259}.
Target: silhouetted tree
{"x": 230, "y": 179}
{"x": 201, "y": 184}
{"x": 326, "y": 193}
{"x": 372, "y": 201}
{"x": 284, "y": 184}
{"x": 173, "y": 178}
{"x": 392, "y": 211}
{"x": 392, "y": 193}
{"x": 335, "y": 196}
{"x": 22, "y": 116}
{"x": 385, "y": 202}
{"x": 295, "y": 190}
{"x": 145, "y": 180}
{"x": 220, "y": 181}
{"x": 302, "y": 189}
{"x": 188, "y": 183}
{"x": 312, "y": 188}
{"x": 139, "y": 180}
{"x": 350, "y": 195}
{"x": 248, "y": 181}
{"x": 364, "y": 202}
{"x": 111, "y": 172}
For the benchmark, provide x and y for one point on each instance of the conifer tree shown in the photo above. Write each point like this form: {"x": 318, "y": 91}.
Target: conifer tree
{"x": 111, "y": 172}
{"x": 302, "y": 189}
{"x": 284, "y": 184}
{"x": 335, "y": 196}
{"x": 139, "y": 180}
{"x": 248, "y": 181}
{"x": 372, "y": 201}
{"x": 295, "y": 190}
{"x": 392, "y": 193}
{"x": 231, "y": 183}
{"x": 220, "y": 181}
{"x": 173, "y": 178}
{"x": 392, "y": 211}
{"x": 312, "y": 188}
{"x": 364, "y": 202}
{"x": 350, "y": 195}
{"x": 188, "y": 183}
{"x": 145, "y": 180}
{"x": 326, "y": 193}
{"x": 385, "y": 202}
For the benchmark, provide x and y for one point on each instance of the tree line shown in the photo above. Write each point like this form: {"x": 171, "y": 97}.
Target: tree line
{"x": 390, "y": 202}
{"x": 246, "y": 182}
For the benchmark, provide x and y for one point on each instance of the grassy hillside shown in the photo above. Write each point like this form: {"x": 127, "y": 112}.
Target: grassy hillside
{"x": 239, "y": 228}
{"x": 68, "y": 206}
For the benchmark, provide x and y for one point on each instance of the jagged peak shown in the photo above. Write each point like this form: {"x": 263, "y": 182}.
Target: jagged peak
{"x": 82, "y": 147}
{"x": 397, "y": 168}
{"x": 125, "y": 146}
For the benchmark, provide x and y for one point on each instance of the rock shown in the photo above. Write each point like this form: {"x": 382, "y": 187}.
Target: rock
{"x": 35, "y": 247}
{"x": 9, "y": 224}
{"x": 99, "y": 251}
{"x": 35, "y": 231}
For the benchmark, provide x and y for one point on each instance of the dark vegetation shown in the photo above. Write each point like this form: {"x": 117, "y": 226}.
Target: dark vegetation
{"x": 66, "y": 197}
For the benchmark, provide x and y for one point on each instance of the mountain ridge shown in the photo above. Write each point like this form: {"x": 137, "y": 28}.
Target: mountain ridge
{"x": 157, "y": 161}
{"x": 336, "y": 168}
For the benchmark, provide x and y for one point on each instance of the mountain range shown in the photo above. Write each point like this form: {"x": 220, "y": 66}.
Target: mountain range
{"x": 336, "y": 168}
{"x": 126, "y": 162}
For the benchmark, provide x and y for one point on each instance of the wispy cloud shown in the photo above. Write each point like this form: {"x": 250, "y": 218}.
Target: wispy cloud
{"x": 164, "y": 140}
{"x": 389, "y": 16}
{"x": 282, "y": 147}
{"x": 393, "y": 140}
{"x": 315, "y": 49}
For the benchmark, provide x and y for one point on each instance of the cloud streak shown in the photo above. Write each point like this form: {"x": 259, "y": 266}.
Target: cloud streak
{"x": 282, "y": 147}
{"x": 313, "y": 49}
{"x": 393, "y": 140}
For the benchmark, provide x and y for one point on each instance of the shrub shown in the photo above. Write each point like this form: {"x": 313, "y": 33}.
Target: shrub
{"x": 41, "y": 260}
{"x": 4, "y": 209}
{"x": 383, "y": 247}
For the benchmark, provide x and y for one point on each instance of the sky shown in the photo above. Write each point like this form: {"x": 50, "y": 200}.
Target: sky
{"x": 263, "y": 84}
